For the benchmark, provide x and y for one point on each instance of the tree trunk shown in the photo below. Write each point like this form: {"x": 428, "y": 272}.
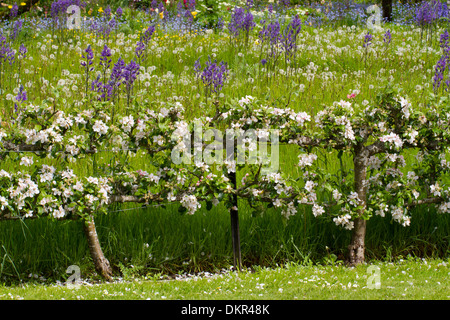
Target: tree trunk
{"x": 387, "y": 9}
{"x": 357, "y": 245}
{"x": 100, "y": 262}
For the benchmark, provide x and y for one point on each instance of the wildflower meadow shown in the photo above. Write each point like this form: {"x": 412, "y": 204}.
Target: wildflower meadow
{"x": 148, "y": 139}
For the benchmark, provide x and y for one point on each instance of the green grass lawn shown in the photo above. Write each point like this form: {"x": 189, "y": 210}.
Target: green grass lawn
{"x": 411, "y": 279}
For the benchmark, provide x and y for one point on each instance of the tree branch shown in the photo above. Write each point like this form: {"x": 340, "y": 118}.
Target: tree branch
{"x": 414, "y": 203}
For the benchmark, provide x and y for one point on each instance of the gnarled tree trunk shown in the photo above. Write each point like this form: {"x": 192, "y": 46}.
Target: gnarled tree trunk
{"x": 357, "y": 246}
{"x": 101, "y": 264}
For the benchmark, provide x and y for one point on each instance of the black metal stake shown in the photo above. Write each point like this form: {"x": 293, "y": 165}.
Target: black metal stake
{"x": 234, "y": 216}
{"x": 236, "y": 241}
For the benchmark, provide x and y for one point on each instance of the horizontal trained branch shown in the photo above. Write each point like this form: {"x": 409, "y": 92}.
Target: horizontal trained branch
{"x": 193, "y": 159}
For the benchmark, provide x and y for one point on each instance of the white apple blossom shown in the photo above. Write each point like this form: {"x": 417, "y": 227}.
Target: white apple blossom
{"x": 344, "y": 221}
{"x": 4, "y": 174}
{"x": 277, "y": 203}
{"x": 336, "y": 195}
{"x": 159, "y": 140}
{"x": 68, "y": 174}
{"x": 191, "y": 203}
{"x": 64, "y": 122}
{"x": 435, "y": 189}
{"x": 289, "y": 210}
{"x": 46, "y": 173}
{"x": 127, "y": 123}
{"x": 301, "y": 118}
{"x": 306, "y": 159}
{"x": 93, "y": 180}
{"x": 392, "y": 138}
{"x": 3, "y": 202}
{"x": 317, "y": 210}
{"x": 245, "y": 100}
{"x": 26, "y": 161}
{"x": 59, "y": 213}
{"x": 383, "y": 208}
{"x": 310, "y": 185}
{"x": 78, "y": 186}
{"x": 100, "y": 127}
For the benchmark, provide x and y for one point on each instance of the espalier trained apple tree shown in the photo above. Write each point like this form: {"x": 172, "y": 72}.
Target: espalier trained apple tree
{"x": 379, "y": 138}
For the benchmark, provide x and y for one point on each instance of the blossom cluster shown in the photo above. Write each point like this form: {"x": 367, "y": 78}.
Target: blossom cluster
{"x": 48, "y": 192}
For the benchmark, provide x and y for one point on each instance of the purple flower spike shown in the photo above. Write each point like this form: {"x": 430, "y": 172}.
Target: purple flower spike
{"x": 104, "y": 57}
{"x": 367, "y": 40}
{"x": 197, "y": 67}
{"x": 140, "y": 47}
{"x": 191, "y": 4}
{"x": 112, "y": 23}
{"x": 241, "y": 21}
{"x": 14, "y": 11}
{"x": 160, "y": 7}
{"x": 115, "y": 79}
{"x": 89, "y": 57}
{"x": 17, "y": 27}
{"x": 439, "y": 70}
{"x": 249, "y": 4}
{"x": 443, "y": 40}
{"x": 214, "y": 75}
{"x": 148, "y": 34}
{"x": 129, "y": 75}
{"x": 86, "y": 64}
{"x": 119, "y": 12}
{"x": 116, "y": 72}
{"x": 23, "y": 51}
{"x": 22, "y": 95}
{"x": 387, "y": 37}
{"x": 6, "y": 53}
{"x": 107, "y": 11}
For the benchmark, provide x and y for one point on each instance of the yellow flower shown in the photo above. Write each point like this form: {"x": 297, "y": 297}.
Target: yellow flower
{"x": 23, "y": 4}
{"x": 10, "y": 7}
{"x": 100, "y": 9}
{"x": 194, "y": 13}
{"x": 161, "y": 15}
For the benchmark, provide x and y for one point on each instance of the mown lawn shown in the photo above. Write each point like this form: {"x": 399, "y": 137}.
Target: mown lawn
{"x": 413, "y": 279}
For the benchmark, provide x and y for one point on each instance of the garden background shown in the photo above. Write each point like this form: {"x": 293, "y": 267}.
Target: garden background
{"x": 333, "y": 62}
